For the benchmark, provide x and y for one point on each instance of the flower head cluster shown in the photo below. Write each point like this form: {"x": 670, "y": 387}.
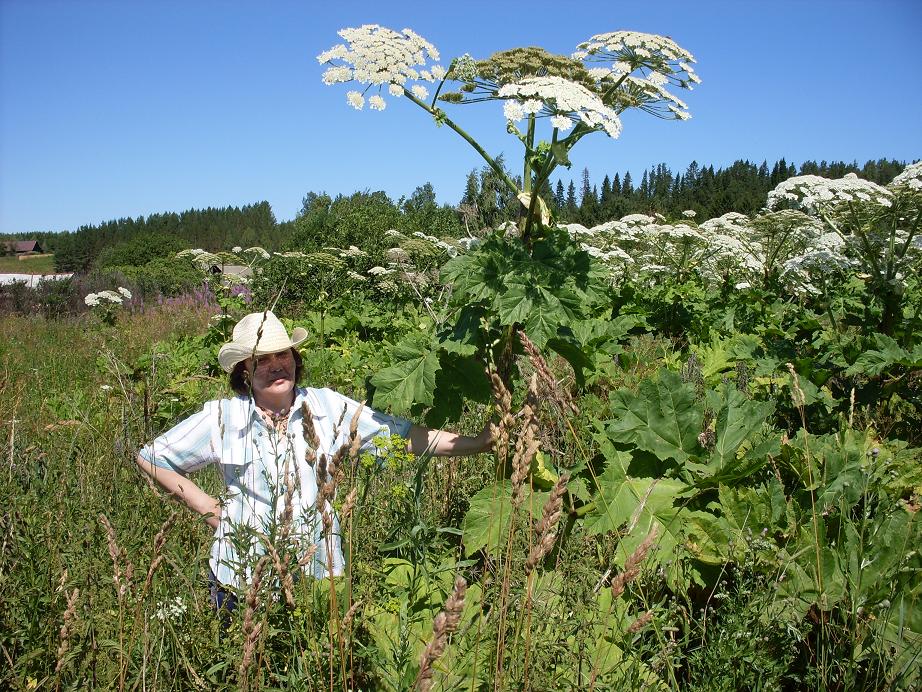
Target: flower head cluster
{"x": 171, "y": 610}
{"x": 911, "y": 177}
{"x": 813, "y": 192}
{"x": 376, "y": 56}
{"x": 636, "y": 69}
{"x": 565, "y": 101}
{"x": 110, "y": 297}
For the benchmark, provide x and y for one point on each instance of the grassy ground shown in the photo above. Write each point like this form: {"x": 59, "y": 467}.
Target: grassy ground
{"x": 32, "y": 264}
{"x": 85, "y": 606}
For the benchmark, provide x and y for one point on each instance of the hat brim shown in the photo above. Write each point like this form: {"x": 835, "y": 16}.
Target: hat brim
{"x": 232, "y": 353}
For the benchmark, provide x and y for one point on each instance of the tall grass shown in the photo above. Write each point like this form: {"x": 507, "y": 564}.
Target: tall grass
{"x": 103, "y": 579}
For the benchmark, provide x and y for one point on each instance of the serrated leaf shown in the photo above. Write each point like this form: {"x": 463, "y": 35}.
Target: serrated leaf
{"x": 486, "y": 524}
{"x": 661, "y": 418}
{"x": 410, "y": 380}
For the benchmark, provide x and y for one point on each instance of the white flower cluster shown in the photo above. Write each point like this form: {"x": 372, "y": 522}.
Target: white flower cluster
{"x": 787, "y": 243}
{"x": 200, "y": 258}
{"x": 911, "y": 177}
{"x": 814, "y": 193}
{"x": 171, "y": 610}
{"x": 449, "y": 249}
{"x": 351, "y": 251}
{"x": 647, "y": 64}
{"x": 112, "y": 297}
{"x": 257, "y": 251}
{"x": 564, "y": 101}
{"x": 374, "y": 55}
{"x": 469, "y": 244}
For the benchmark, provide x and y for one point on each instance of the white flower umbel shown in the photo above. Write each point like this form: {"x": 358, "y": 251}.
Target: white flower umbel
{"x": 562, "y": 98}
{"x": 92, "y": 299}
{"x": 374, "y": 55}
{"x": 125, "y": 292}
{"x": 637, "y": 68}
{"x": 814, "y": 193}
{"x": 911, "y": 177}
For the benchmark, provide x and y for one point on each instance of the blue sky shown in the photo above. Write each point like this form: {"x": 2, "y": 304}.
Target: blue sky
{"x": 125, "y": 108}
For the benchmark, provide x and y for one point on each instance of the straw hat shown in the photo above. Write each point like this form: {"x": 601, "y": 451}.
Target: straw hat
{"x": 258, "y": 334}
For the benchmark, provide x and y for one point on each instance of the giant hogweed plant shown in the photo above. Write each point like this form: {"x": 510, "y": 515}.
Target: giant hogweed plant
{"x": 871, "y": 227}
{"x": 540, "y": 280}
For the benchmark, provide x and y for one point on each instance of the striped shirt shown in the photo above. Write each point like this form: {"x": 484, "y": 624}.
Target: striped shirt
{"x": 258, "y": 464}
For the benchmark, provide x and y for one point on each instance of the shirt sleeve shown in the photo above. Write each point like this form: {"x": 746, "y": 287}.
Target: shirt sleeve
{"x": 188, "y": 445}
{"x": 371, "y": 423}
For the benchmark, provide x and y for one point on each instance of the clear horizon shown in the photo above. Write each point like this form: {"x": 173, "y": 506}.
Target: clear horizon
{"x": 125, "y": 109}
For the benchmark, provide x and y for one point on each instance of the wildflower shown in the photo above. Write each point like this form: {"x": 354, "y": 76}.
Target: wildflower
{"x": 355, "y": 99}
{"x": 171, "y": 610}
{"x": 513, "y": 111}
{"x": 256, "y": 250}
{"x": 561, "y": 122}
{"x": 236, "y": 249}
{"x": 911, "y": 177}
{"x": 465, "y": 68}
{"x": 689, "y": 213}
{"x": 564, "y": 97}
{"x": 92, "y": 299}
{"x": 420, "y": 92}
{"x": 377, "y": 55}
{"x": 125, "y": 292}
{"x": 813, "y": 192}
{"x": 376, "y": 103}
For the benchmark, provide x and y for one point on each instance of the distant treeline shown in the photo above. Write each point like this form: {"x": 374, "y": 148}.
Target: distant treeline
{"x": 362, "y": 217}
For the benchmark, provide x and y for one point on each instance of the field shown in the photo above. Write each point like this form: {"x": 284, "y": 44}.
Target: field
{"x": 38, "y": 264}
{"x": 706, "y": 470}
{"x": 692, "y": 512}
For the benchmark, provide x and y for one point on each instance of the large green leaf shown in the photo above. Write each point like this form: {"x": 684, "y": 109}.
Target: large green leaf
{"x": 410, "y": 380}
{"x": 887, "y": 354}
{"x": 486, "y": 524}
{"x": 661, "y": 418}
{"x": 459, "y": 378}
{"x": 638, "y": 503}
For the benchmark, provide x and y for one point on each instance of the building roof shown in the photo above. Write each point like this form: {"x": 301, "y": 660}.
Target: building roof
{"x": 22, "y": 245}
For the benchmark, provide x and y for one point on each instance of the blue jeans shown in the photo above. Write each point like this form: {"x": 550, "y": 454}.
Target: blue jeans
{"x": 222, "y": 600}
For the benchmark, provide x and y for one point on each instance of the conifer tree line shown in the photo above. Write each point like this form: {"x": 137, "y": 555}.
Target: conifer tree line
{"x": 362, "y": 217}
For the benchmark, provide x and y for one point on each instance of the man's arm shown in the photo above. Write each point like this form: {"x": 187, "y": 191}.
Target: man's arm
{"x": 441, "y": 443}
{"x": 185, "y": 491}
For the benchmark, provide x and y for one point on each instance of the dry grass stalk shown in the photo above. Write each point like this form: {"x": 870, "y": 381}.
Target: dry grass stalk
{"x": 308, "y": 556}
{"x": 640, "y": 622}
{"x": 310, "y": 433}
{"x": 554, "y": 390}
{"x": 350, "y": 615}
{"x": 349, "y": 503}
{"x": 797, "y": 394}
{"x": 159, "y": 542}
{"x": 286, "y": 580}
{"x": 851, "y": 409}
{"x": 444, "y": 624}
{"x": 251, "y": 630}
{"x": 505, "y": 420}
{"x": 632, "y": 564}
{"x": 66, "y": 628}
{"x": 546, "y": 529}
{"x": 526, "y": 444}
{"x": 119, "y": 578}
